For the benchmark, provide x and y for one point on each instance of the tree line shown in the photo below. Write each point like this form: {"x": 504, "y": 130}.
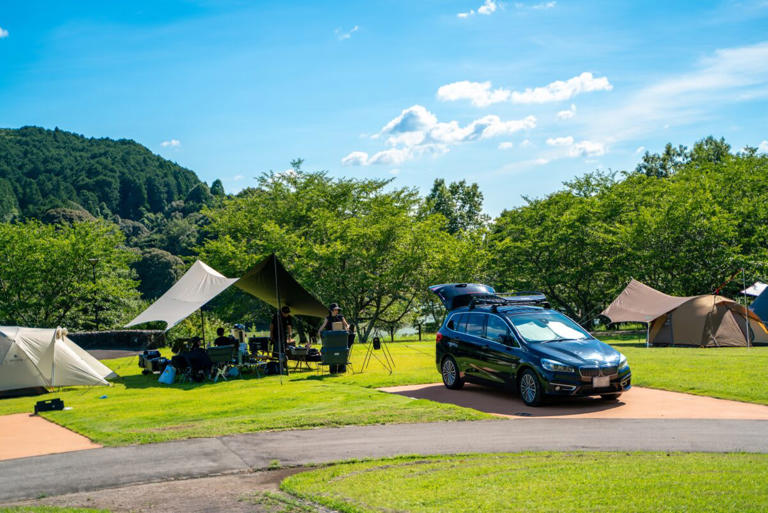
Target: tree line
{"x": 682, "y": 221}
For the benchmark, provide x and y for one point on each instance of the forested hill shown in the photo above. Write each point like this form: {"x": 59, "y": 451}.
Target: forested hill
{"x": 42, "y": 169}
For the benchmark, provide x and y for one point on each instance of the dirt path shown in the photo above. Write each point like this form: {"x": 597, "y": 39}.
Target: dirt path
{"x": 239, "y": 493}
{"x": 637, "y": 403}
{"x": 23, "y": 435}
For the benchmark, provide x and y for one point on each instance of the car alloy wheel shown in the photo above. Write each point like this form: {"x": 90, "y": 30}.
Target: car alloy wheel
{"x": 450, "y": 372}
{"x": 530, "y": 390}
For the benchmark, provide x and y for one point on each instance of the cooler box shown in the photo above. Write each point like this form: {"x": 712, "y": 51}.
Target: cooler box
{"x": 335, "y": 350}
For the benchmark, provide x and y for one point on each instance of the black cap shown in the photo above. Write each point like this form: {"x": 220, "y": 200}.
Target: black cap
{"x": 286, "y": 309}
{"x": 333, "y": 306}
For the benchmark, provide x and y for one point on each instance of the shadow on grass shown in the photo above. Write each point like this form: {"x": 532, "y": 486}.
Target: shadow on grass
{"x": 151, "y": 381}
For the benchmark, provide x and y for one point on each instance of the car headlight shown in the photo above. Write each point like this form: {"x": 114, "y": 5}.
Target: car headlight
{"x": 554, "y": 366}
{"x": 622, "y": 361}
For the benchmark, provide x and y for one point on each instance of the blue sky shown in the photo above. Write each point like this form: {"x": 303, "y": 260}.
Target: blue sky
{"x": 517, "y": 96}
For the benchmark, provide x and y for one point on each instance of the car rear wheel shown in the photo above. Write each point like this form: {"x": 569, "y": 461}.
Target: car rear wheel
{"x": 451, "y": 376}
{"x": 530, "y": 388}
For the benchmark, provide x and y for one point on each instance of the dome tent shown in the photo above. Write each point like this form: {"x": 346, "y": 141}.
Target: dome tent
{"x": 699, "y": 321}
{"x": 34, "y": 358}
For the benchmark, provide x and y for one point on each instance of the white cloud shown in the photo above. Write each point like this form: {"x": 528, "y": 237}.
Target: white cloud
{"x": 173, "y": 143}
{"x": 481, "y": 94}
{"x": 578, "y": 149}
{"x": 506, "y": 145}
{"x": 416, "y": 131}
{"x": 560, "y": 141}
{"x": 728, "y": 76}
{"x": 544, "y": 5}
{"x": 567, "y": 114}
{"x": 640, "y": 149}
{"x": 587, "y": 149}
{"x": 237, "y": 178}
{"x": 341, "y": 35}
{"x": 763, "y": 147}
{"x": 526, "y": 143}
{"x": 356, "y": 158}
{"x": 394, "y": 172}
{"x": 488, "y": 8}
{"x": 3, "y": 33}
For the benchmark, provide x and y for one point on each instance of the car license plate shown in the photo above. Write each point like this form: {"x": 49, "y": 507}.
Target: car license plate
{"x": 601, "y": 381}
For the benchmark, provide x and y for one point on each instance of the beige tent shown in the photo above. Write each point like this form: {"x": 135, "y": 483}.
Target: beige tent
{"x": 33, "y": 358}
{"x": 703, "y": 321}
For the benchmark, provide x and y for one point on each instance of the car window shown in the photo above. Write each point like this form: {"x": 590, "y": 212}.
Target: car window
{"x": 459, "y": 322}
{"x": 476, "y": 324}
{"x": 496, "y": 329}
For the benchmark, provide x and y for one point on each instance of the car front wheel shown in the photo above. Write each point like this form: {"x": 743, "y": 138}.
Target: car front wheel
{"x": 451, "y": 376}
{"x": 530, "y": 388}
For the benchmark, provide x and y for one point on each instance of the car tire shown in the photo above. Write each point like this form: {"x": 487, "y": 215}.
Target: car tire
{"x": 610, "y": 397}
{"x": 451, "y": 376}
{"x": 530, "y": 389}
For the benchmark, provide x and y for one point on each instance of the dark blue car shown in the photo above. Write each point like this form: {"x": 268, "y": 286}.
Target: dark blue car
{"x": 518, "y": 342}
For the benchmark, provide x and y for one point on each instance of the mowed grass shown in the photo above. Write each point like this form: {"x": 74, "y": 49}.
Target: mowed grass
{"x": 137, "y": 409}
{"x": 737, "y": 373}
{"x": 542, "y": 482}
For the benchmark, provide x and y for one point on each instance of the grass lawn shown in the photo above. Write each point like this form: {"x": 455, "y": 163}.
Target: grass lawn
{"x": 728, "y": 372}
{"x": 542, "y": 482}
{"x": 138, "y": 409}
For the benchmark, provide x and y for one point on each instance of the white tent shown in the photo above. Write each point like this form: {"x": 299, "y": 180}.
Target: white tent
{"x": 34, "y": 357}
{"x": 199, "y": 285}
{"x": 755, "y": 289}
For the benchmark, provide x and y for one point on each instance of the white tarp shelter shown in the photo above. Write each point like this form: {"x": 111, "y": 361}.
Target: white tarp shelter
{"x": 199, "y": 285}
{"x": 755, "y": 289}
{"x": 35, "y": 357}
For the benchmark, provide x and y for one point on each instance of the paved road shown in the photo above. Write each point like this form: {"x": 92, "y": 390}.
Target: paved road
{"x": 95, "y": 469}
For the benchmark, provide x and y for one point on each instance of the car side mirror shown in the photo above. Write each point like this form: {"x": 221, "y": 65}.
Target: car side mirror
{"x": 508, "y": 340}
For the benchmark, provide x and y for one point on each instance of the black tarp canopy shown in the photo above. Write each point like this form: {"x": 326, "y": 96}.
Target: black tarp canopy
{"x": 272, "y": 283}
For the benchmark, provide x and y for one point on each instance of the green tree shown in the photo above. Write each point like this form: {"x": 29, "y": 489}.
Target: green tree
{"x": 158, "y": 270}
{"x": 65, "y": 275}
{"x": 217, "y": 188}
{"x": 459, "y": 203}
{"x": 357, "y": 242}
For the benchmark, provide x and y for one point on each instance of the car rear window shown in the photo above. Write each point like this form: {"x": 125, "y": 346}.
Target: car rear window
{"x": 458, "y": 323}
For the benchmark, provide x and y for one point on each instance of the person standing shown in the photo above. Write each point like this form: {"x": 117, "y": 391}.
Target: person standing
{"x": 334, "y": 321}
{"x": 281, "y": 329}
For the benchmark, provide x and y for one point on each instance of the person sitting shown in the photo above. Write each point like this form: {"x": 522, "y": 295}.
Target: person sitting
{"x": 221, "y": 340}
{"x": 198, "y": 360}
{"x": 334, "y": 321}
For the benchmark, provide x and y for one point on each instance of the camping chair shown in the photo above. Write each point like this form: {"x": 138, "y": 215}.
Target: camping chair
{"x": 221, "y": 358}
{"x": 335, "y": 351}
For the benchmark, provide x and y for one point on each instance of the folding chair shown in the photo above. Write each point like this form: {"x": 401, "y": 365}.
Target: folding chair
{"x": 221, "y": 358}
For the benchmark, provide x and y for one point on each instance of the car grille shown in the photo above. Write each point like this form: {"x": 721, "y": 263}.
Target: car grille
{"x": 589, "y": 372}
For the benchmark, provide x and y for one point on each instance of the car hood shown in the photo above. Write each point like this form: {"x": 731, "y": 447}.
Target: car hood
{"x": 587, "y": 352}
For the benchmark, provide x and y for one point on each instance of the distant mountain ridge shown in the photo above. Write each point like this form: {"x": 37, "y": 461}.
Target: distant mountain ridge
{"x": 42, "y": 169}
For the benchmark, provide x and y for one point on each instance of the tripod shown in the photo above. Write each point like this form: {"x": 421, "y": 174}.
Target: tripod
{"x": 387, "y": 361}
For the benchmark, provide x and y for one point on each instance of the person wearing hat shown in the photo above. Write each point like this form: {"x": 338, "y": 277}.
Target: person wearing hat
{"x": 334, "y": 321}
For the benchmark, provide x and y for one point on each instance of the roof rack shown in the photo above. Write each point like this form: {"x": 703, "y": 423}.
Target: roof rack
{"x": 509, "y": 299}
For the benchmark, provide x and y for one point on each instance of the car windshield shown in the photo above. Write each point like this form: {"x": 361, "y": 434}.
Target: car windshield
{"x": 547, "y": 327}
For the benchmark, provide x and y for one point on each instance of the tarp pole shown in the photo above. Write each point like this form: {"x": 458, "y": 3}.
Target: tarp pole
{"x": 202, "y": 323}
{"x": 746, "y": 307}
{"x": 278, "y": 323}
{"x": 647, "y": 334}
